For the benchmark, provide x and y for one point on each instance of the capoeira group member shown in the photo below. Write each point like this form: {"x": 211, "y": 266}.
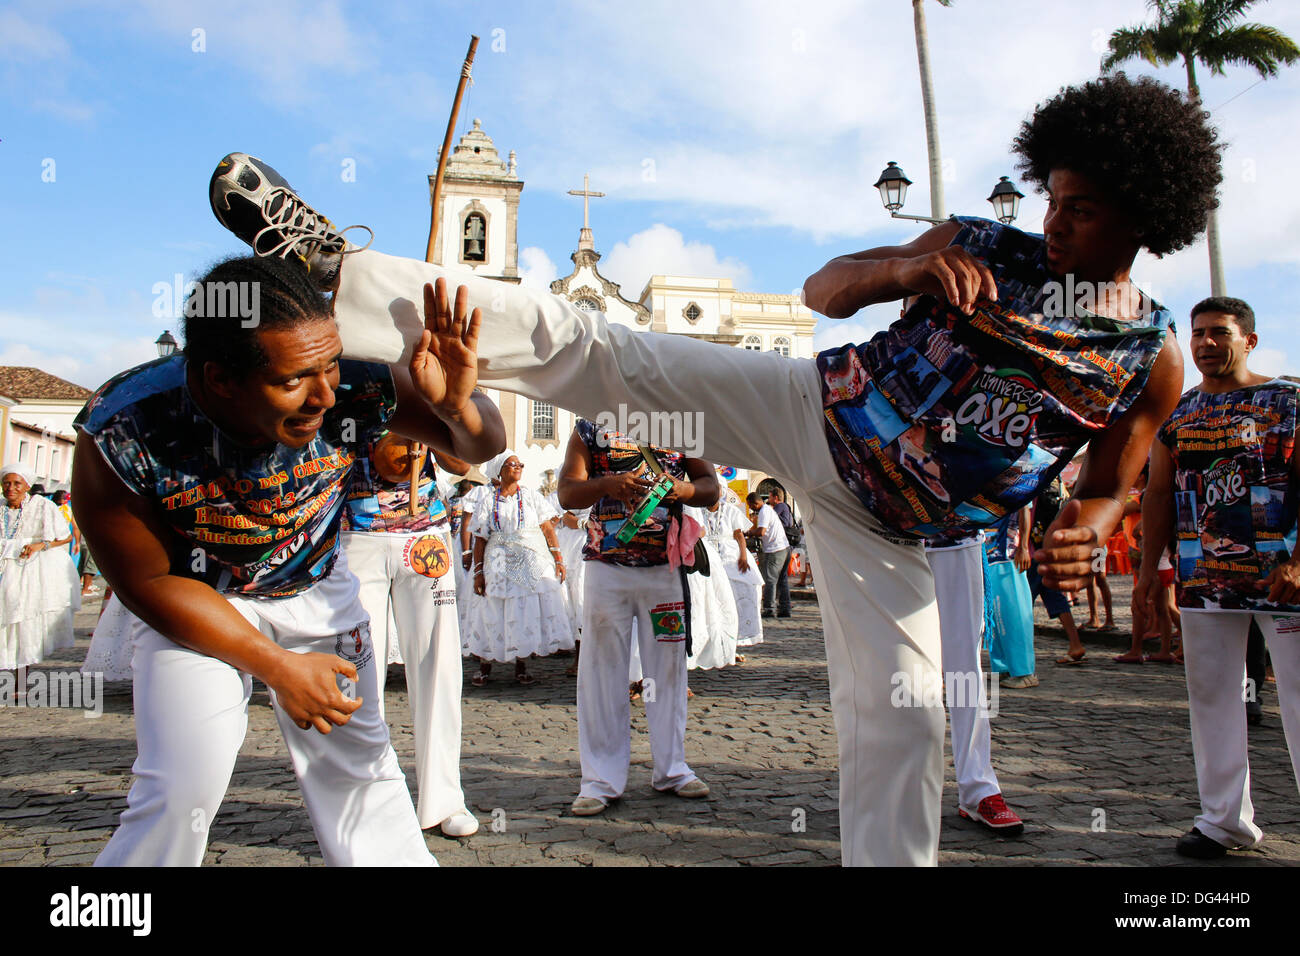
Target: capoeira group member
{"x": 1019, "y": 350}
{"x": 402, "y": 557}
{"x": 518, "y": 572}
{"x": 958, "y": 571}
{"x": 630, "y": 581}
{"x": 212, "y": 486}
{"x": 1226, "y": 466}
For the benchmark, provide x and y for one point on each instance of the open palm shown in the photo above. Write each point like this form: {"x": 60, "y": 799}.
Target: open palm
{"x": 444, "y": 366}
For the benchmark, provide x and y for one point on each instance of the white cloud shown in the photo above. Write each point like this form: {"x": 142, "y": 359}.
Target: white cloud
{"x": 662, "y": 250}
{"x": 22, "y": 40}
{"x": 536, "y": 270}
{"x": 88, "y": 367}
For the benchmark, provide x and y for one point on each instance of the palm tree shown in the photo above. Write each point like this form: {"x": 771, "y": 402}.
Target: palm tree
{"x": 1208, "y": 31}
{"x": 927, "y": 103}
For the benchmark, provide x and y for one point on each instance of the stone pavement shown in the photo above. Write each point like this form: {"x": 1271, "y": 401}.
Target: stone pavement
{"x": 1097, "y": 759}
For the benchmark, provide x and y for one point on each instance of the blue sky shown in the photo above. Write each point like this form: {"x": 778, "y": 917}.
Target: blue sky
{"x": 731, "y": 138}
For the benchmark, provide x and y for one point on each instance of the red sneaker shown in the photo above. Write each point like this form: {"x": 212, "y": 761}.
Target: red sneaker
{"x": 994, "y": 813}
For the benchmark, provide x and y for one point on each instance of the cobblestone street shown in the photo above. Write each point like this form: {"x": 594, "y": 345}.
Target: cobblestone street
{"x": 1097, "y": 759}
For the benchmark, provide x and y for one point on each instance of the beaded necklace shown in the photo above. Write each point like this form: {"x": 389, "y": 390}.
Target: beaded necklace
{"x": 11, "y": 528}
{"x": 496, "y": 509}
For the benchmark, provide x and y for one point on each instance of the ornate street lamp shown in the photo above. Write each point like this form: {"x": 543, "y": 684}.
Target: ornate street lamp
{"x": 166, "y": 345}
{"x": 893, "y": 183}
{"x": 1006, "y": 200}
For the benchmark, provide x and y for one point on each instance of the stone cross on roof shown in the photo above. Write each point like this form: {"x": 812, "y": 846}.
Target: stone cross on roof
{"x": 585, "y": 240}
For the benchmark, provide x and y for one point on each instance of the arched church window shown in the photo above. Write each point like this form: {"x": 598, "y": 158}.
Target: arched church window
{"x": 543, "y": 420}
{"x": 781, "y": 345}
{"x": 474, "y": 240}
{"x": 752, "y": 343}
{"x": 587, "y": 305}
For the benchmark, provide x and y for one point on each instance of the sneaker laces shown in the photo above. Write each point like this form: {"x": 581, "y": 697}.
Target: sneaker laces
{"x": 994, "y": 805}
{"x": 301, "y": 230}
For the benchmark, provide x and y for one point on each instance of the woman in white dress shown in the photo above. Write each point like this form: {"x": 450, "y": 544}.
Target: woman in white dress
{"x": 714, "y": 622}
{"x": 39, "y": 590}
{"x": 518, "y": 575}
{"x": 726, "y": 531}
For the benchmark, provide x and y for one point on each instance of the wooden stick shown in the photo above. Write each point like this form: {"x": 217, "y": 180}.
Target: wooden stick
{"x": 446, "y": 147}
{"x": 417, "y": 466}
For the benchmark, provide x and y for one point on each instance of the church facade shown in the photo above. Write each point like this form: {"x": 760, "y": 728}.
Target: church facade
{"x": 478, "y": 230}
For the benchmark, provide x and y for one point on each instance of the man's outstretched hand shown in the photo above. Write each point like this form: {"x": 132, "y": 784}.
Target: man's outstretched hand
{"x": 1070, "y": 550}
{"x": 444, "y": 366}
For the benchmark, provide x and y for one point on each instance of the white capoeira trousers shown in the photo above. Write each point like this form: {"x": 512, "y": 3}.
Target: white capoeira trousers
{"x": 1214, "y": 646}
{"x": 959, "y": 586}
{"x": 191, "y": 713}
{"x": 878, "y": 606}
{"x": 415, "y": 607}
{"x": 616, "y": 596}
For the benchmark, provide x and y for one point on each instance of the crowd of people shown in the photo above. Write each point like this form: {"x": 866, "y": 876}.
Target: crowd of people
{"x": 255, "y": 518}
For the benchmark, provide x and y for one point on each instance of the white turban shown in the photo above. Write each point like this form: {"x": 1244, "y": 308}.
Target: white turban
{"x": 492, "y": 470}
{"x": 21, "y": 470}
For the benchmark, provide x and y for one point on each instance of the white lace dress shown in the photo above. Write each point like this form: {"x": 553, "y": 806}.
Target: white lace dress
{"x": 525, "y": 610}
{"x": 113, "y": 644}
{"x": 40, "y": 594}
{"x": 747, "y": 585}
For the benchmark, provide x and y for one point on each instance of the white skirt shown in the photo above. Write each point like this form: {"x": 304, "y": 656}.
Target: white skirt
{"x": 112, "y": 646}
{"x": 713, "y": 616}
{"x": 525, "y": 610}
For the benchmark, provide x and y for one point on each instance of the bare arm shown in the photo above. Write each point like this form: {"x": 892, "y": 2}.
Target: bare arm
{"x": 578, "y": 489}
{"x": 1112, "y": 465}
{"x": 131, "y": 546}
{"x": 927, "y": 265}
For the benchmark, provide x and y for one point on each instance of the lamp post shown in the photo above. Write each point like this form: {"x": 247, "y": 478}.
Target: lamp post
{"x": 1006, "y": 200}
{"x": 893, "y": 183}
{"x": 166, "y": 345}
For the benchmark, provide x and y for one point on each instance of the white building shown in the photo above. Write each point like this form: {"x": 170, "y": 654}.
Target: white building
{"x": 36, "y": 413}
{"x": 478, "y": 229}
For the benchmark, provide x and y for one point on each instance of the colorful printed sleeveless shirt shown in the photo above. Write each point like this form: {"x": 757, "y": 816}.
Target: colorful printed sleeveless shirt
{"x": 376, "y": 505}
{"x": 257, "y": 522}
{"x": 613, "y": 454}
{"x": 1234, "y": 493}
{"x": 945, "y": 422}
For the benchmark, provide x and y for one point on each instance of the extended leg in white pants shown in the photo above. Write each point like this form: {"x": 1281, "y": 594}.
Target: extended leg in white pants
{"x": 959, "y": 586}
{"x": 617, "y": 596}
{"x": 878, "y": 610}
{"x": 419, "y": 613}
{"x": 1214, "y": 644}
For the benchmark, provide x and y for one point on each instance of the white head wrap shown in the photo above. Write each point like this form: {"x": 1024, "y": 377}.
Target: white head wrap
{"x": 21, "y": 470}
{"x": 492, "y": 470}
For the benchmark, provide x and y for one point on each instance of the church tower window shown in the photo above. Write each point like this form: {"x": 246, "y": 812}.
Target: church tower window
{"x": 474, "y": 238}
{"x": 692, "y": 313}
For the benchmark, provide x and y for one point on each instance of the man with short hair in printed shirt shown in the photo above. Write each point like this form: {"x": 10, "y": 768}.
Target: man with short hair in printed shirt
{"x": 1223, "y": 486}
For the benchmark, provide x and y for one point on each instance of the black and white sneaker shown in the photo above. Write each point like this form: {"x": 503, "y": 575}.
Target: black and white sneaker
{"x": 259, "y": 206}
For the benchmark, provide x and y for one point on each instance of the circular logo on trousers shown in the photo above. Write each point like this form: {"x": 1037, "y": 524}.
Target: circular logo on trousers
{"x": 427, "y": 555}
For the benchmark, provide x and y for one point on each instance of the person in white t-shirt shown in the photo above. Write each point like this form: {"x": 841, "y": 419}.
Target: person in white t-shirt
{"x": 774, "y": 556}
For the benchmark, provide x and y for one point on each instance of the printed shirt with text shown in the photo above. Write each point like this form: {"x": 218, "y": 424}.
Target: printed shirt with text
{"x": 376, "y": 505}
{"x": 257, "y": 522}
{"x": 611, "y": 454}
{"x": 1234, "y": 493}
{"x": 944, "y": 422}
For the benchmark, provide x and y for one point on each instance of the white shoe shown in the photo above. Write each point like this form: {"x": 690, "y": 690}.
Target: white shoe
{"x": 697, "y": 789}
{"x": 460, "y": 824}
{"x": 587, "y": 806}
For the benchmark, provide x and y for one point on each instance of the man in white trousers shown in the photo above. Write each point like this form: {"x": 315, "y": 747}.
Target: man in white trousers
{"x": 627, "y": 582}
{"x": 211, "y": 484}
{"x": 1223, "y": 484}
{"x": 959, "y": 590}
{"x": 404, "y": 563}
{"x": 860, "y": 435}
